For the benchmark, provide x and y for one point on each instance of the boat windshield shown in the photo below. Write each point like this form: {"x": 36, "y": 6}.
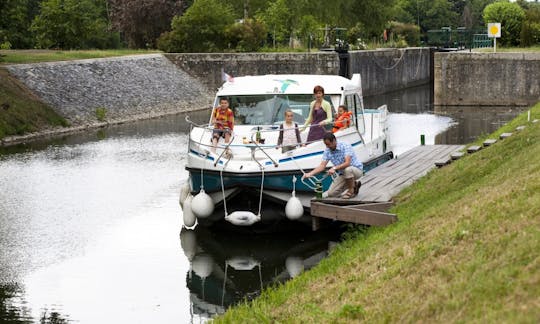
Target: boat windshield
{"x": 269, "y": 109}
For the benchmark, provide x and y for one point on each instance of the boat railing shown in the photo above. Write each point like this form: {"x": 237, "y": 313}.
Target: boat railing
{"x": 263, "y": 146}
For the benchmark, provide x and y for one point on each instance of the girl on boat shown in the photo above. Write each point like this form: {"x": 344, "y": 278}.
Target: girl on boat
{"x": 289, "y": 135}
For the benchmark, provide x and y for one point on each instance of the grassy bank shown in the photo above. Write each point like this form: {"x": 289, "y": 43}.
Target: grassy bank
{"x": 465, "y": 249}
{"x": 35, "y": 56}
{"x": 22, "y": 112}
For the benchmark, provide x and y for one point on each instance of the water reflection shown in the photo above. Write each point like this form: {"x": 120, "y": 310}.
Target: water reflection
{"x": 226, "y": 269}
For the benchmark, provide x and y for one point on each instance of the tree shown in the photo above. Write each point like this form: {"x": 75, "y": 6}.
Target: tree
{"x": 277, "y": 19}
{"x": 14, "y": 24}
{"x": 511, "y": 17}
{"x": 72, "y": 24}
{"x": 141, "y": 22}
{"x": 530, "y": 30}
{"x": 201, "y": 28}
{"x": 246, "y": 36}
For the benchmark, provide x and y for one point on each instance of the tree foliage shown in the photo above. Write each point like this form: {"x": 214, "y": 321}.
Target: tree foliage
{"x": 246, "y": 36}
{"x": 15, "y": 19}
{"x": 141, "y": 22}
{"x": 72, "y": 24}
{"x": 511, "y": 17}
{"x": 530, "y": 30}
{"x": 201, "y": 28}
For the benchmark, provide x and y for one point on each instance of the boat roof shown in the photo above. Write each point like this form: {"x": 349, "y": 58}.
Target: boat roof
{"x": 288, "y": 84}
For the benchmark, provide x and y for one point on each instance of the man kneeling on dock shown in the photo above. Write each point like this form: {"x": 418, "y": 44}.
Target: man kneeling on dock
{"x": 347, "y": 167}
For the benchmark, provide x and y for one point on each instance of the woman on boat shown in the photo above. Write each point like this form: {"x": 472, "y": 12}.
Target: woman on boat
{"x": 320, "y": 114}
{"x": 343, "y": 119}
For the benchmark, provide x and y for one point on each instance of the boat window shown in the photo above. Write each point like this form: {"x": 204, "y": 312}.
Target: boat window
{"x": 361, "y": 116}
{"x": 269, "y": 109}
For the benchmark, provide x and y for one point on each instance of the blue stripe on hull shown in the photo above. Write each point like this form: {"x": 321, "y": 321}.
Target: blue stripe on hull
{"x": 282, "y": 182}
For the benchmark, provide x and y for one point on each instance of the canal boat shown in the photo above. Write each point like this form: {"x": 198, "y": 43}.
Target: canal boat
{"x": 251, "y": 171}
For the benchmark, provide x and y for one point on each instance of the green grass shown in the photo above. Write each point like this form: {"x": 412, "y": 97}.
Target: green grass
{"x": 35, "y": 56}
{"x": 20, "y": 111}
{"x": 465, "y": 249}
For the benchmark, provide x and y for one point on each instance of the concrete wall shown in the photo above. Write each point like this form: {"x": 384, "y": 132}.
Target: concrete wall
{"x": 207, "y": 67}
{"x": 486, "y": 79}
{"x": 129, "y": 87}
{"x": 391, "y": 69}
{"x": 382, "y": 70}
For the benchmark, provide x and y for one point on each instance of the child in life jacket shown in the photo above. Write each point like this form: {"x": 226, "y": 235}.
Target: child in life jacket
{"x": 343, "y": 119}
{"x": 289, "y": 134}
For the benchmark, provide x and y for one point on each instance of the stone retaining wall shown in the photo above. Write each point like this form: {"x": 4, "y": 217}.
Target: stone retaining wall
{"x": 382, "y": 70}
{"x": 207, "y": 67}
{"x": 486, "y": 79}
{"x": 391, "y": 69}
{"x": 129, "y": 87}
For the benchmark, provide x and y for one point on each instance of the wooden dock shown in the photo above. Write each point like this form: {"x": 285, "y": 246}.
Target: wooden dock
{"x": 380, "y": 185}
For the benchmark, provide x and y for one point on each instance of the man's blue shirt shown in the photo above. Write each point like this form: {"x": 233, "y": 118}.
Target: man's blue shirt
{"x": 338, "y": 155}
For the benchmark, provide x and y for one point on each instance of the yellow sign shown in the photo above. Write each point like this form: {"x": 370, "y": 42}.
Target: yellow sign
{"x": 494, "y": 30}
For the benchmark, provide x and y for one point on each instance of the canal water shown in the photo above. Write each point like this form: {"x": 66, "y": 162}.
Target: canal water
{"x": 91, "y": 229}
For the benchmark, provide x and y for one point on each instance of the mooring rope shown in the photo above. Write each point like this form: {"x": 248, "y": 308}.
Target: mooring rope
{"x": 391, "y": 67}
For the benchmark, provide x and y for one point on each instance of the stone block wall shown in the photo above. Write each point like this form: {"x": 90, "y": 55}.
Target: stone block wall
{"x": 486, "y": 79}
{"x": 207, "y": 67}
{"x": 391, "y": 69}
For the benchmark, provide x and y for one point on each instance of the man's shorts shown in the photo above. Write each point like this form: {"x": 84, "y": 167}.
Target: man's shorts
{"x": 217, "y": 133}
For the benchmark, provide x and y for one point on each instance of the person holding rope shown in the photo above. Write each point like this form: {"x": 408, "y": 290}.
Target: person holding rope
{"x": 347, "y": 167}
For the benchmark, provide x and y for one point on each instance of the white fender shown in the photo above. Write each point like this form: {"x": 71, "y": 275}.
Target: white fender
{"x": 188, "y": 242}
{"x": 294, "y": 265}
{"x": 242, "y": 218}
{"x": 189, "y": 217}
{"x": 184, "y": 192}
{"x": 294, "y": 209}
{"x": 242, "y": 263}
{"x": 202, "y": 265}
{"x": 202, "y": 204}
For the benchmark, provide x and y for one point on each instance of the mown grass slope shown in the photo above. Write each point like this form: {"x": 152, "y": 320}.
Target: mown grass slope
{"x": 22, "y": 112}
{"x": 466, "y": 249}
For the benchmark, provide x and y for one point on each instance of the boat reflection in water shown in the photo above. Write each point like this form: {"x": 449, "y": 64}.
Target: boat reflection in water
{"x": 227, "y": 268}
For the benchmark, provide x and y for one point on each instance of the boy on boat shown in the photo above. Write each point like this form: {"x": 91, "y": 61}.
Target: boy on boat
{"x": 223, "y": 121}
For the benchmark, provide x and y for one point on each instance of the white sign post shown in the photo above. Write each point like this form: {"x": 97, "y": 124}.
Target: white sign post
{"x": 494, "y": 31}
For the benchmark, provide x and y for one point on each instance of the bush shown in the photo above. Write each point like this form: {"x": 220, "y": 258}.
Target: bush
{"x": 408, "y": 33}
{"x": 246, "y": 36}
{"x": 101, "y": 114}
{"x": 511, "y": 17}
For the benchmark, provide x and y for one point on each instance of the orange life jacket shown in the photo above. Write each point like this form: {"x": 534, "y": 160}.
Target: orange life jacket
{"x": 226, "y": 118}
{"x": 343, "y": 121}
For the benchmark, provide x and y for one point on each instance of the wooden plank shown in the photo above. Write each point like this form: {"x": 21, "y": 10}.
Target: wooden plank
{"x": 473, "y": 149}
{"x": 489, "y": 142}
{"x": 456, "y": 155}
{"x": 505, "y": 135}
{"x": 441, "y": 163}
{"x": 520, "y": 128}
{"x": 351, "y": 215}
